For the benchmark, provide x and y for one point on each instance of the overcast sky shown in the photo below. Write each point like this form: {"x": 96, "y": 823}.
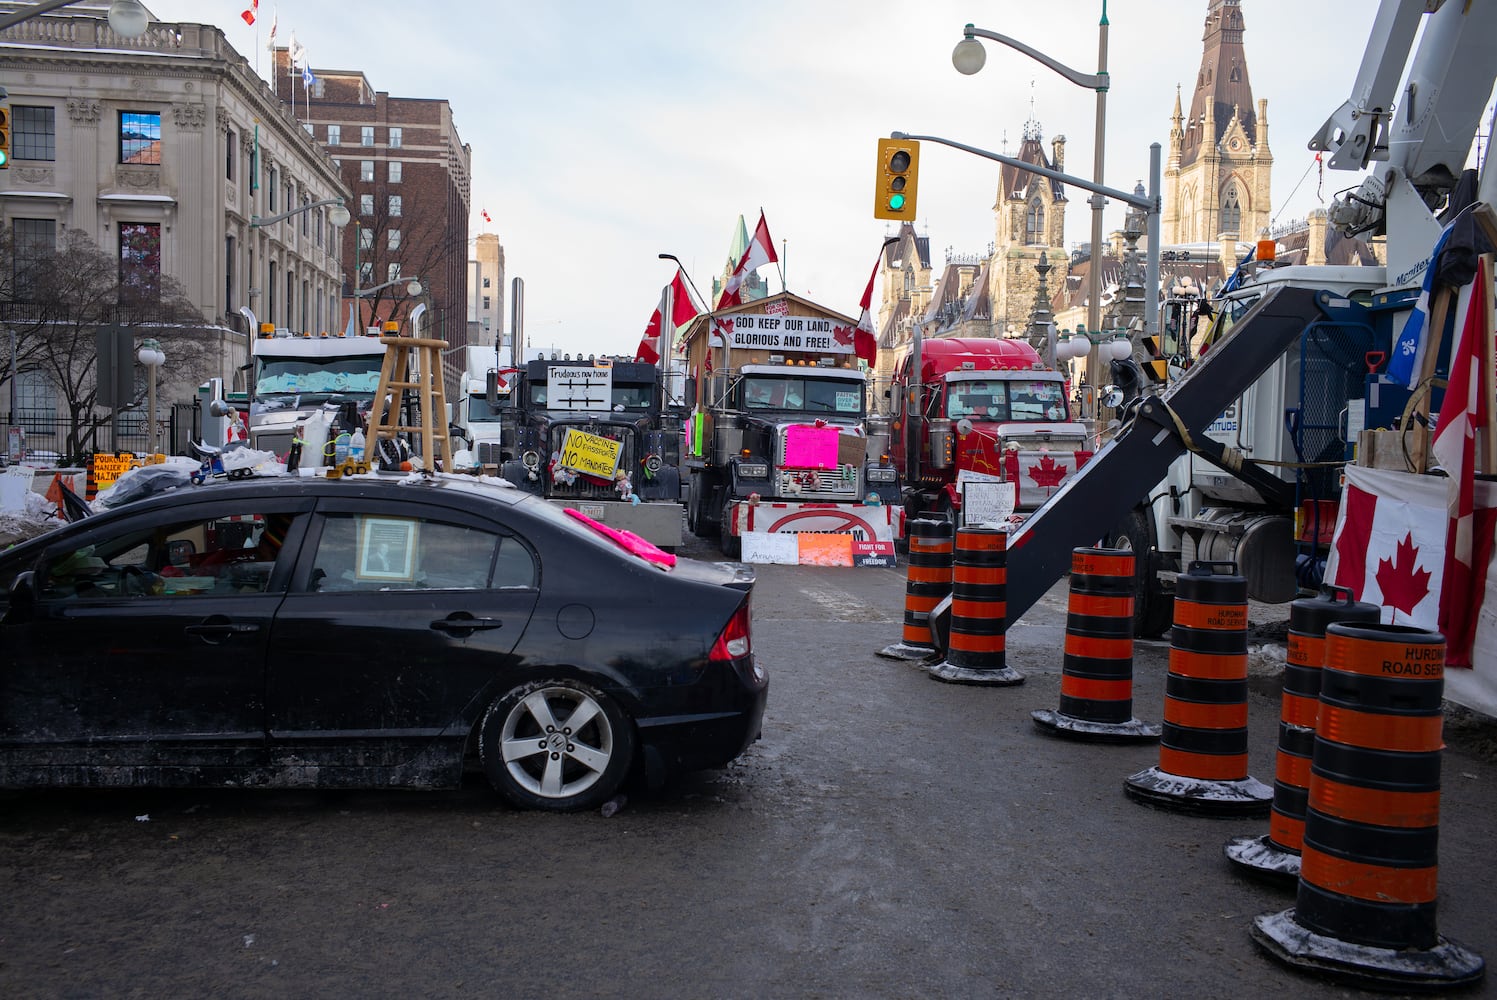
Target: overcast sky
{"x": 605, "y": 133}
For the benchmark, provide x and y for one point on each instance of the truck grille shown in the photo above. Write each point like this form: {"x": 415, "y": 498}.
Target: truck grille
{"x": 586, "y": 488}
{"x": 819, "y": 484}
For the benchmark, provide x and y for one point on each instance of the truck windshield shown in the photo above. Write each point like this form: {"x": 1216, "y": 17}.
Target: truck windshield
{"x": 480, "y": 412}
{"x": 631, "y": 397}
{"x": 803, "y": 394}
{"x": 1007, "y": 399}
{"x": 311, "y": 376}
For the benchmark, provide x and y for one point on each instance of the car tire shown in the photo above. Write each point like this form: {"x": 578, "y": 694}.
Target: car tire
{"x": 536, "y": 759}
{"x": 1153, "y": 608}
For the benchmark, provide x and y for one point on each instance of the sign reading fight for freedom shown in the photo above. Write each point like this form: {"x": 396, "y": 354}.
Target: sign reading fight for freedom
{"x": 787, "y": 333}
{"x": 591, "y": 454}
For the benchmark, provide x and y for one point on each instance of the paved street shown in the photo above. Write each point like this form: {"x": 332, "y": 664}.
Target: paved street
{"x": 890, "y": 836}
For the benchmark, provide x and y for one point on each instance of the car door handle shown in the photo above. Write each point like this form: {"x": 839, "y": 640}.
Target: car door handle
{"x": 463, "y": 622}
{"x": 216, "y": 631}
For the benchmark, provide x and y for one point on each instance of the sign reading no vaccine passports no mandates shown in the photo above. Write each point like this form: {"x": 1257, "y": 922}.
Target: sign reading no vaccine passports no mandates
{"x": 591, "y": 454}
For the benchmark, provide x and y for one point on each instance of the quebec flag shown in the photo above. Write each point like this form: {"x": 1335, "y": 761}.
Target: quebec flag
{"x": 1408, "y": 348}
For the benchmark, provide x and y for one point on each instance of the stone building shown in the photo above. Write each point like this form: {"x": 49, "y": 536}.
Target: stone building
{"x": 165, "y": 150}
{"x": 411, "y": 177}
{"x": 1030, "y": 223}
{"x": 905, "y": 276}
{"x": 486, "y": 293}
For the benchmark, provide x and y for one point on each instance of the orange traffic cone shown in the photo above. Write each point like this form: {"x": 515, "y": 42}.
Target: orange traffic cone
{"x": 1203, "y": 751}
{"x": 1096, "y": 683}
{"x": 927, "y": 582}
{"x": 1365, "y": 909}
{"x": 975, "y": 649}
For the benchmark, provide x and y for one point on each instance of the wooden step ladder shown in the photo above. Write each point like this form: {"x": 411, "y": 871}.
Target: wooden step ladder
{"x": 412, "y": 364}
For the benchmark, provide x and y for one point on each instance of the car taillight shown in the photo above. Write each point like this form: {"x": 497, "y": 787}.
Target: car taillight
{"x": 734, "y": 642}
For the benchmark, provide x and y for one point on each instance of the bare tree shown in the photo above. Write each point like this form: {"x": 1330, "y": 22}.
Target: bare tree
{"x": 426, "y": 246}
{"x": 56, "y": 298}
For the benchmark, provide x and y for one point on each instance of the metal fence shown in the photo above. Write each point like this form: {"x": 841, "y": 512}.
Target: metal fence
{"x": 47, "y": 435}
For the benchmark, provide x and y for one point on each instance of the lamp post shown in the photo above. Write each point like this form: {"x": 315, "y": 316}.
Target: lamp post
{"x": 151, "y": 356}
{"x": 968, "y": 57}
{"x": 338, "y": 215}
{"x": 127, "y": 18}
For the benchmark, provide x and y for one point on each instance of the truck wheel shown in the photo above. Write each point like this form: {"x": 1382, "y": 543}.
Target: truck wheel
{"x": 731, "y": 544}
{"x": 1153, "y": 608}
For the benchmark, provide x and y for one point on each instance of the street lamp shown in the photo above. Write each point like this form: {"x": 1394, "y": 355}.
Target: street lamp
{"x": 968, "y": 57}
{"x": 127, "y": 18}
{"x": 151, "y": 356}
{"x": 338, "y": 215}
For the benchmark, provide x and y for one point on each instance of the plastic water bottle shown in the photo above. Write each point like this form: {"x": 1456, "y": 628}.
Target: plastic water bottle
{"x": 356, "y": 445}
{"x": 340, "y": 448}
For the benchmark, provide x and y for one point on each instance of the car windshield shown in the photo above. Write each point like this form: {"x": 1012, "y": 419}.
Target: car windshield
{"x": 313, "y": 376}
{"x": 1007, "y": 399}
{"x": 810, "y": 395}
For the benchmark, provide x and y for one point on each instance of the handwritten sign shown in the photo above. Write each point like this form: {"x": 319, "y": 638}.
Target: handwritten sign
{"x": 808, "y": 447}
{"x": 987, "y": 503}
{"x": 591, "y": 454}
{"x": 108, "y": 468}
{"x": 572, "y": 387}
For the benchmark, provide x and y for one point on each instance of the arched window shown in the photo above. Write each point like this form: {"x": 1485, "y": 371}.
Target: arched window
{"x": 1034, "y": 223}
{"x": 1231, "y": 212}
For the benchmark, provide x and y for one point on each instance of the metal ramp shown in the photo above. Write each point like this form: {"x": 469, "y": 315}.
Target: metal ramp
{"x": 1108, "y": 486}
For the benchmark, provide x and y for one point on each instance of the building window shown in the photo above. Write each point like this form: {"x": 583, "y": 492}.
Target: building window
{"x": 1034, "y": 223}
{"x": 1231, "y": 212}
{"x": 33, "y": 133}
{"x": 366, "y": 272}
{"x": 140, "y": 137}
{"x": 392, "y": 239}
{"x": 36, "y": 401}
{"x": 366, "y": 135}
{"x": 393, "y": 272}
{"x": 231, "y": 153}
{"x": 140, "y": 260}
{"x": 397, "y": 138}
{"x": 396, "y": 169}
{"x": 306, "y": 216}
{"x": 366, "y": 204}
{"x": 366, "y": 170}
{"x": 228, "y": 274}
{"x": 320, "y": 213}
{"x": 270, "y": 188}
{"x": 485, "y": 282}
{"x": 35, "y": 240}
{"x": 366, "y": 239}
{"x": 311, "y": 129}
{"x": 394, "y": 205}
{"x": 334, "y": 135}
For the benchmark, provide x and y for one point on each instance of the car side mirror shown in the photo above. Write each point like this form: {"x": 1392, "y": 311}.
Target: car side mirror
{"x": 22, "y": 599}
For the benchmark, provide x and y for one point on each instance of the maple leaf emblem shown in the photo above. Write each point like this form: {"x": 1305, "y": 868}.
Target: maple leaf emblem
{"x": 1047, "y": 473}
{"x": 842, "y": 334}
{"x": 1403, "y": 582}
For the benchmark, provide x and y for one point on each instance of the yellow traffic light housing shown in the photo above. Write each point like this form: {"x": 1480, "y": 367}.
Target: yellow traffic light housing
{"x": 895, "y": 181}
{"x": 4, "y": 138}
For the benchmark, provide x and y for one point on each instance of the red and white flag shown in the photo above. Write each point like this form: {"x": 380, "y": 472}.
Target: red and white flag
{"x": 253, "y": 11}
{"x": 683, "y": 307}
{"x": 1468, "y": 548}
{"x": 865, "y": 338}
{"x": 649, "y": 345}
{"x": 760, "y": 251}
{"x": 275, "y": 21}
{"x": 485, "y": 213}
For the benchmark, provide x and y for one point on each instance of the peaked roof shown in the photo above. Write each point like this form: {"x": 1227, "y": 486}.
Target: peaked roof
{"x": 1014, "y": 182}
{"x": 1222, "y": 83}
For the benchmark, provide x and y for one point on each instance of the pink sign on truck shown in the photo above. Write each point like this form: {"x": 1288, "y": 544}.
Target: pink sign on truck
{"x": 809, "y": 447}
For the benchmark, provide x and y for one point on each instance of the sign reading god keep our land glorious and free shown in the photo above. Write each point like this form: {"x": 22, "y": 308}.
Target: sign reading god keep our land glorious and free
{"x": 591, "y": 454}
{"x": 571, "y": 387}
{"x": 787, "y": 333}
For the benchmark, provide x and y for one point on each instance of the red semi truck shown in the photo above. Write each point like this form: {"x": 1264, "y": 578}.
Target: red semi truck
{"x": 980, "y": 410}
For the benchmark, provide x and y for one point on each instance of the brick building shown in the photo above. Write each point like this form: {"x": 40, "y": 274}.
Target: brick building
{"x": 411, "y": 178}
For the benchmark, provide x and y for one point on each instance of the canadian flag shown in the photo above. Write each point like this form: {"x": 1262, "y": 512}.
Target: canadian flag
{"x": 759, "y": 252}
{"x": 649, "y": 345}
{"x": 254, "y": 10}
{"x": 865, "y": 339}
{"x": 485, "y": 213}
{"x": 683, "y": 308}
{"x": 1389, "y": 549}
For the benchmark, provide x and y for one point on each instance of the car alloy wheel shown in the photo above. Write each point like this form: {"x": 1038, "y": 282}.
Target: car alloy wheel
{"x": 556, "y": 745}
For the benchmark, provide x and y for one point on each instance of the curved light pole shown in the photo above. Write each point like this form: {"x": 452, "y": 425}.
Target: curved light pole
{"x": 968, "y": 57}
{"x": 338, "y": 215}
{"x": 152, "y": 357}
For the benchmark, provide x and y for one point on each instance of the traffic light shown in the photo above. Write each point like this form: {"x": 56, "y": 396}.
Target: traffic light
{"x": 894, "y": 184}
{"x": 4, "y": 137}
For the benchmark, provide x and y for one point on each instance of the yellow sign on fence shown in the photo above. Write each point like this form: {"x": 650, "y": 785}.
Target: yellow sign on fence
{"x": 590, "y": 453}
{"x": 108, "y": 468}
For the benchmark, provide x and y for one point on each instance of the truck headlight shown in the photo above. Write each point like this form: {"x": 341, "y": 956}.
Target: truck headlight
{"x": 882, "y": 475}
{"x": 653, "y": 463}
{"x": 753, "y": 470}
{"x": 531, "y": 460}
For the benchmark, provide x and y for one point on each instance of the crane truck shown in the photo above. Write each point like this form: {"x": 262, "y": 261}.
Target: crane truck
{"x": 781, "y": 439}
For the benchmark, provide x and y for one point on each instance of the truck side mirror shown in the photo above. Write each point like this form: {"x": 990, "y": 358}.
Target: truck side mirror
{"x": 491, "y": 387}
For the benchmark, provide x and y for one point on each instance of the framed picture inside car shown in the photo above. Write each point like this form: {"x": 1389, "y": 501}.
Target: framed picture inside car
{"x": 387, "y": 549}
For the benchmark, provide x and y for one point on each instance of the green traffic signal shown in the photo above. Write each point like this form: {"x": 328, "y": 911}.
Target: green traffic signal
{"x": 4, "y": 158}
{"x": 896, "y": 202}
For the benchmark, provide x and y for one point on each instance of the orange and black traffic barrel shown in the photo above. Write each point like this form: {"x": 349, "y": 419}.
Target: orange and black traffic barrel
{"x": 1276, "y": 854}
{"x": 1365, "y": 907}
{"x": 1203, "y": 749}
{"x": 927, "y": 582}
{"x": 1096, "y": 684}
{"x": 975, "y": 648}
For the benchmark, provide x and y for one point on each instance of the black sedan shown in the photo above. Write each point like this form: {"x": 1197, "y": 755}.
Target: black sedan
{"x": 368, "y": 631}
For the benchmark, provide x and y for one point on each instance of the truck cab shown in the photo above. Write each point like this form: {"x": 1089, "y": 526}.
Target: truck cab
{"x": 294, "y": 376}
